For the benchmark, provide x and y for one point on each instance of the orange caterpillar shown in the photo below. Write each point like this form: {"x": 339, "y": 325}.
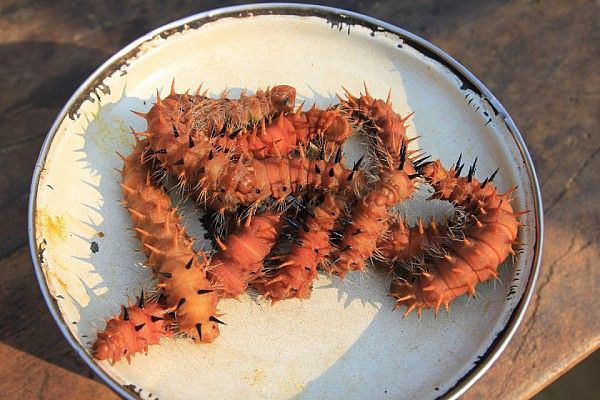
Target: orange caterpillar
{"x": 181, "y": 272}
{"x": 279, "y": 177}
{"x": 240, "y": 259}
{"x": 369, "y": 216}
{"x": 139, "y": 326}
{"x": 210, "y": 116}
{"x": 226, "y": 182}
{"x": 293, "y": 277}
{"x": 259, "y": 141}
{"x": 388, "y": 126}
{"x": 466, "y": 261}
{"x": 285, "y": 134}
{"x": 240, "y": 126}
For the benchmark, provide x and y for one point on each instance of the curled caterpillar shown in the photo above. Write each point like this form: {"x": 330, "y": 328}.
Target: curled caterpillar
{"x": 378, "y": 116}
{"x": 470, "y": 259}
{"x": 140, "y": 325}
{"x": 296, "y": 270}
{"x": 181, "y": 272}
{"x": 241, "y": 255}
{"x": 369, "y": 216}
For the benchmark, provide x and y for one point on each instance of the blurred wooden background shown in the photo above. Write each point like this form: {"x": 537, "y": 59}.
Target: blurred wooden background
{"x": 540, "y": 58}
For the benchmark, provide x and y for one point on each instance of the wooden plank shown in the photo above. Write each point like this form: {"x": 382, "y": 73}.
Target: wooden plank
{"x": 37, "y": 362}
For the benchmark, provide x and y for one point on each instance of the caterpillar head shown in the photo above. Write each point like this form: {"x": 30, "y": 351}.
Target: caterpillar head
{"x": 395, "y": 185}
{"x": 110, "y": 344}
{"x": 250, "y": 188}
{"x": 337, "y": 128}
{"x": 131, "y": 332}
{"x": 283, "y": 98}
{"x": 206, "y": 332}
{"x": 434, "y": 172}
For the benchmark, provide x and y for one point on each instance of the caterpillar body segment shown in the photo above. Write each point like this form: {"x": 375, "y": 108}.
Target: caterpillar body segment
{"x": 403, "y": 242}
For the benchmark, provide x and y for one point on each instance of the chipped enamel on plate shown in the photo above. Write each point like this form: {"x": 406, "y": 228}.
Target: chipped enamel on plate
{"x": 345, "y": 342}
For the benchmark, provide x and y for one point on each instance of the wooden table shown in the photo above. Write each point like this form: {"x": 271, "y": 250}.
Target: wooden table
{"x": 540, "y": 58}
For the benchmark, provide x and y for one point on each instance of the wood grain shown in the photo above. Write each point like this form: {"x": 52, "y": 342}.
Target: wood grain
{"x": 539, "y": 58}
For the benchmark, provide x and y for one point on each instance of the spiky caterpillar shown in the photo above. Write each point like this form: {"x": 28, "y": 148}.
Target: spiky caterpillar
{"x": 209, "y": 116}
{"x": 279, "y": 177}
{"x": 138, "y": 326}
{"x": 466, "y": 261}
{"x": 249, "y": 137}
{"x": 239, "y": 125}
{"x": 181, "y": 272}
{"x": 369, "y": 217}
{"x": 227, "y": 183}
{"x": 287, "y": 133}
{"x": 465, "y": 191}
{"x": 241, "y": 255}
{"x": 297, "y": 269}
{"x": 378, "y": 116}
{"x": 261, "y": 140}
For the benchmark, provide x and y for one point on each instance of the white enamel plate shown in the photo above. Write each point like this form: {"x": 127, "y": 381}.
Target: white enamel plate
{"x": 345, "y": 341}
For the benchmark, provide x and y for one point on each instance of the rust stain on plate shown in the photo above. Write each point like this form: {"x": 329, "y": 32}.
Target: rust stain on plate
{"x": 56, "y": 278}
{"x": 255, "y": 376}
{"x": 54, "y": 226}
{"x": 107, "y": 131}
